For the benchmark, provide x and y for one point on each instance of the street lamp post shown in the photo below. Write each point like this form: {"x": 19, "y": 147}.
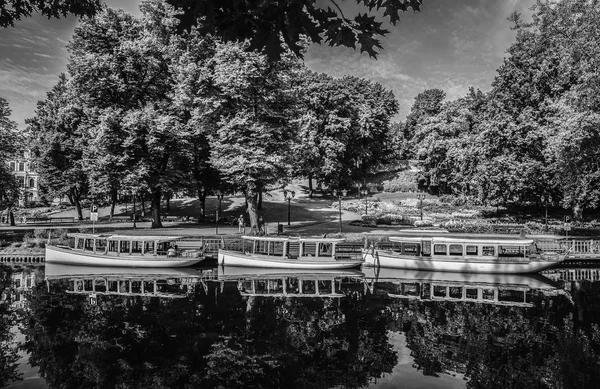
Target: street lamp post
{"x": 289, "y": 195}
{"x": 340, "y": 194}
{"x": 421, "y": 196}
{"x": 219, "y": 195}
{"x": 365, "y": 192}
{"x": 134, "y": 217}
{"x": 547, "y": 199}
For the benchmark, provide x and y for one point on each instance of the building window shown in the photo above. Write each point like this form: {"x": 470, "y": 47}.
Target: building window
{"x": 12, "y": 166}
{"x": 31, "y": 183}
{"x": 21, "y": 166}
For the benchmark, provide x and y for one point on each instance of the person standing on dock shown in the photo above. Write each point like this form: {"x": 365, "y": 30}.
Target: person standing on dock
{"x": 241, "y": 226}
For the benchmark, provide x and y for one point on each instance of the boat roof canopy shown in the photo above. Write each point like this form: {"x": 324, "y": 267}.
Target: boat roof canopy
{"x": 443, "y": 239}
{"x": 132, "y": 238}
{"x": 294, "y": 239}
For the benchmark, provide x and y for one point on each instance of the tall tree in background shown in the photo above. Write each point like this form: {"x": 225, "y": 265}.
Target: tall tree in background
{"x": 121, "y": 64}
{"x": 251, "y": 112}
{"x": 344, "y": 129}
{"x": 58, "y": 133}
{"x": 9, "y": 141}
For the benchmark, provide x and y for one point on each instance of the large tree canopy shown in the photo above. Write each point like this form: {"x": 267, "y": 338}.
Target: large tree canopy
{"x": 274, "y": 26}
{"x": 9, "y": 139}
{"x": 13, "y": 10}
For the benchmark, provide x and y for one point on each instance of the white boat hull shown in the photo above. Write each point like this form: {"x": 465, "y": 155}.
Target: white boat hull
{"x": 456, "y": 264}
{"x": 68, "y": 256}
{"x": 233, "y": 258}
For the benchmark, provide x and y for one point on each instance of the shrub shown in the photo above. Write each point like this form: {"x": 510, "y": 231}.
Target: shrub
{"x": 405, "y": 181}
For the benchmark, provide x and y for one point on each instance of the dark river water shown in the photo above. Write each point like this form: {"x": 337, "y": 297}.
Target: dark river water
{"x": 64, "y": 327}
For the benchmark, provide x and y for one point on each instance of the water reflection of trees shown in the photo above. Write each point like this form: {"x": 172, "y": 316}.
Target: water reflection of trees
{"x": 548, "y": 345}
{"x": 8, "y": 347}
{"x": 214, "y": 338}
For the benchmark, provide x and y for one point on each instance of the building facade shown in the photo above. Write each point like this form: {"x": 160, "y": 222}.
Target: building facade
{"x": 23, "y": 168}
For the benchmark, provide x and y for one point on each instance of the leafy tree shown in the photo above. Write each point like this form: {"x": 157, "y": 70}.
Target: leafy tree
{"x": 120, "y": 65}
{"x": 273, "y": 27}
{"x": 9, "y": 144}
{"x": 344, "y": 128}
{"x": 243, "y": 105}
{"x": 427, "y": 103}
{"x": 13, "y": 10}
{"x": 58, "y": 133}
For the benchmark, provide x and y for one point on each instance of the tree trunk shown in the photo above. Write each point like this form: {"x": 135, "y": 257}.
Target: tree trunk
{"x": 252, "y": 203}
{"x": 577, "y": 212}
{"x": 260, "y": 201}
{"x": 310, "y": 186}
{"x": 143, "y": 199}
{"x": 11, "y": 218}
{"x": 156, "y": 198}
{"x": 202, "y": 199}
{"x": 113, "y": 202}
{"x": 75, "y": 195}
{"x": 168, "y": 199}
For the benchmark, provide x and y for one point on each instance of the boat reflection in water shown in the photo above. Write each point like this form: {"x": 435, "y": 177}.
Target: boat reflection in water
{"x": 501, "y": 289}
{"x": 257, "y": 282}
{"x": 103, "y": 280}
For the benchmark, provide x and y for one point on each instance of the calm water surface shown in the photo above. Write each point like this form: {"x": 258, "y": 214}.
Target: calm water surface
{"x": 63, "y": 327}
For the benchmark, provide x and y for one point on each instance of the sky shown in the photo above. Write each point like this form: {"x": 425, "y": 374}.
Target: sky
{"x": 450, "y": 45}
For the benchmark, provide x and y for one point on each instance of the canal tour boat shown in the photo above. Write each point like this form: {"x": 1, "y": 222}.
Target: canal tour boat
{"x": 291, "y": 253}
{"x": 123, "y": 251}
{"x": 497, "y": 289}
{"x": 263, "y": 282}
{"x": 461, "y": 254}
{"x": 102, "y": 280}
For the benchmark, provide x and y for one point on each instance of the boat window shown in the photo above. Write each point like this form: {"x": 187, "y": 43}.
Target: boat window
{"x": 89, "y": 244}
{"x": 471, "y": 293}
{"x": 135, "y": 286}
{"x": 326, "y": 286}
{"x": 124, "y": 246}
{"x": 99, "y": 284}
{"x": 292, "y": 285}
{"x": 426, "y": 249}
{"x": 325, "y": 249}
{"x": 456, "y": 249}
{"x": 277, "y": 248}
{"x": 149, "y": 247}
{"x": 309, "y": 249}
{"x": 439, "y": 290}
{"x": 396, "y": 247}
{"x": 309, "y": 287}
{"x": 511, "y": 251}
{"x": 410, "y": 248}
{"x": 439, "y": 249}
{"x": 293, "y": 250}
{"x": 100, "y": 245}
{"x": 262, "y": 247}
{"x": 472, "y": 250}
{"x": 487, "y": 250}
{"x": 487, "y": 294}
{"x": 136, "y": 247}
{"x": 455, "y": 292}
{"x": 148, "y": 287}
{"x": 113, "y": 246}
{"x": 80, "y": 243}
{"x": 248, "y": 246}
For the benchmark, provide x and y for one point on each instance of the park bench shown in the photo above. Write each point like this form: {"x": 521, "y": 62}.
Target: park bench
{"x": 121, "y": 218}
{"x": 62, "y": 220}
{"x": 169, "y": 218}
